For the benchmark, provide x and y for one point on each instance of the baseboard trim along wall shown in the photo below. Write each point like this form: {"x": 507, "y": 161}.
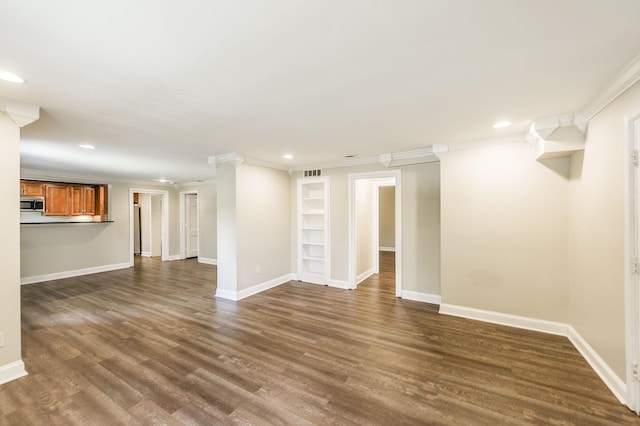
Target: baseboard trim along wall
{"x": 616, "y": 385}
{"x": 386, "y": 248}
{"x": 258, "y": 288}
{"x": 363, "y": 276}
{"x": 434, "y": 299}
{"x": 74, "y": 273}
{"x": 174, "y": 257}
{"x": 145, "y": 254}
{"x": 12, "y": 371}
{"x": 339, "y": 284}
{"x": 208, "y": 261}
{"x": 526, "y": 323}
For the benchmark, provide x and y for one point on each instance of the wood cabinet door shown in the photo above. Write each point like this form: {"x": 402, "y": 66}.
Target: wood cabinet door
{"x": 77, "y": 202}
{"x": 57, "y": 200}
{"x": 83, "y": 200}
{"x": 89, "y": 200}
{"x": 31, "y": 188}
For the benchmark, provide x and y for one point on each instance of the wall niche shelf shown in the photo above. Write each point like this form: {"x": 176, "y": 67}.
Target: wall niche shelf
{"x": 313, "y": 246}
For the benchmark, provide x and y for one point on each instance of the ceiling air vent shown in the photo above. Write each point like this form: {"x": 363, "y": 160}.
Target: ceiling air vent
{"x": 313, "y": 173}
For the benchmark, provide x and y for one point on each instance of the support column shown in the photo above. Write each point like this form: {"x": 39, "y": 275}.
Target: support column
{"x": 13, "y": 115}
{"x": 254, "y": 226}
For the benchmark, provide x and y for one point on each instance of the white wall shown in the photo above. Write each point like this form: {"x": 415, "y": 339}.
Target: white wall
{"x": 227, "y": 229}
{"x": 10, "y": 248}
{"x": 387, "y": 217}
{"x": 364, "y": 228}
{"x": 263, "y": 224}
{"x": 596, "y": 233}
{"x": 156, "y": 225}
{"x": 504, "y": 232}
{"x": 144, "y": 201}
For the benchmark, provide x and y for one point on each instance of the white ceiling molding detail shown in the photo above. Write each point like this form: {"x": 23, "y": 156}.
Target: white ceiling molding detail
{"x": 196, "y": 183}
{"x": 238, "y": 159}
{"x": 621, "y": 82}
{"x": 558, "y": 136}
{"x": 406, "y": 158}
{"x": 440, "y": 148}
{"x": 34, "y": 174}
{"x": 20, "y": 113}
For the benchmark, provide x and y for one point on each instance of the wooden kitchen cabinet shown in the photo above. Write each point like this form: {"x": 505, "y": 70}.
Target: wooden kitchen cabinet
{"x": 57, "y": 199}
{"x": 31, "y": 188}
{"x": 69, "y": 199}
{"x": 83, "y": 200}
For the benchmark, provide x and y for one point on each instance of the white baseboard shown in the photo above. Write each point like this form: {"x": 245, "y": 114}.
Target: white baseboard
{"x": 363, "y": 276}
{"x": 526, "y": 323}
{"x": 12, "y": 371}
{"x": 421, "y": 297}
{"x": 226, "y": 294}
{"x": 172, "y": 258}
{"x": 74, "y": 273}
{"x": 617, "y": 386}
{"x": 239, "y": 295}
{"x": 208, "y": 261}
{"x": 145, "y": 254}
{"x": 339, "y": 284}
{"x": 387, "y": 249}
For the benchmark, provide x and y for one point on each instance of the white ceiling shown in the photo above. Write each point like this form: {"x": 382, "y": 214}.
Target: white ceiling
{"x": 159, "y": 86}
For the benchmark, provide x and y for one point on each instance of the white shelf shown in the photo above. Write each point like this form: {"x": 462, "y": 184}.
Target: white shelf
{"x": 313, "y": 247}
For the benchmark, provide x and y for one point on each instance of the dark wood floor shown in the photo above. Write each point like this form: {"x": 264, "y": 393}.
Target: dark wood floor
{"x": 152, "y": 345}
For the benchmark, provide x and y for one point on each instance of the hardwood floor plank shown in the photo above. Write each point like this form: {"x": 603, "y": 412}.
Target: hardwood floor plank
{"x": 152, "y": 345}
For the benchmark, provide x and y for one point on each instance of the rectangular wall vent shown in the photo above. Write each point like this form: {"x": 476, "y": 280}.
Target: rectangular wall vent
{"x": 313, "y": 173}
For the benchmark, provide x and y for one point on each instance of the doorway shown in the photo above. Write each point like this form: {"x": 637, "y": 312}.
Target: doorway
{"x": 157, "y": 219}
{"x": 632, "y": 259}
{"x": 364, "y": 236}
{"x": 189, "y": 225}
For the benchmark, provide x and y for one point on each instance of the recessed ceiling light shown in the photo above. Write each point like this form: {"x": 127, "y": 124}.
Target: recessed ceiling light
{"x": 287, "y": 156}
{"x": 10, "y": 77}
{"x": 163, "y": 180}
{"x": 86, "y": 146}
{"x": 501, "y": 124}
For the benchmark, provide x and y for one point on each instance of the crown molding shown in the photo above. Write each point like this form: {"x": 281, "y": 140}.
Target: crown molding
{"x": 195, "y": 183}
{"x": 237, "y": 159}
{"x": 339, "y": 163}
{"x": 621, "y": 82}
{"x": 20, "y": 113}
{"x": 55, "y": 176}
{"x": 441, "y": 148}
{"x": 231, "y": 157}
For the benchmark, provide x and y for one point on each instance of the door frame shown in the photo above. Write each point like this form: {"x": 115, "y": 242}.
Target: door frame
{"x": 397, "y": 174}
{"x": 632, "y": 259}
{"x": 183, "y": 222}
{"x": 164, "y": 222}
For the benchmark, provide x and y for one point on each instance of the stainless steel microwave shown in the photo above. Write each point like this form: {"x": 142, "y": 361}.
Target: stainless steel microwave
{"x": 31, "y": 204}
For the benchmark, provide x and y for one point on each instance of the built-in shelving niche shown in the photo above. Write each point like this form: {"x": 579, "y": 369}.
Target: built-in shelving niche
{"x": 313, "y": 230}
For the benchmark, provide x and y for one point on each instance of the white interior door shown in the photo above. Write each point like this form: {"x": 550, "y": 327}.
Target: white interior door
{"x": 191, "y": 224}
{"x": 632, "y": 274}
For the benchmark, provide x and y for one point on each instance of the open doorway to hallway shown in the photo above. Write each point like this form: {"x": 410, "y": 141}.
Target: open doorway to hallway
{"x": 148, "y": 224}
{"x": 370, "y": 224}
